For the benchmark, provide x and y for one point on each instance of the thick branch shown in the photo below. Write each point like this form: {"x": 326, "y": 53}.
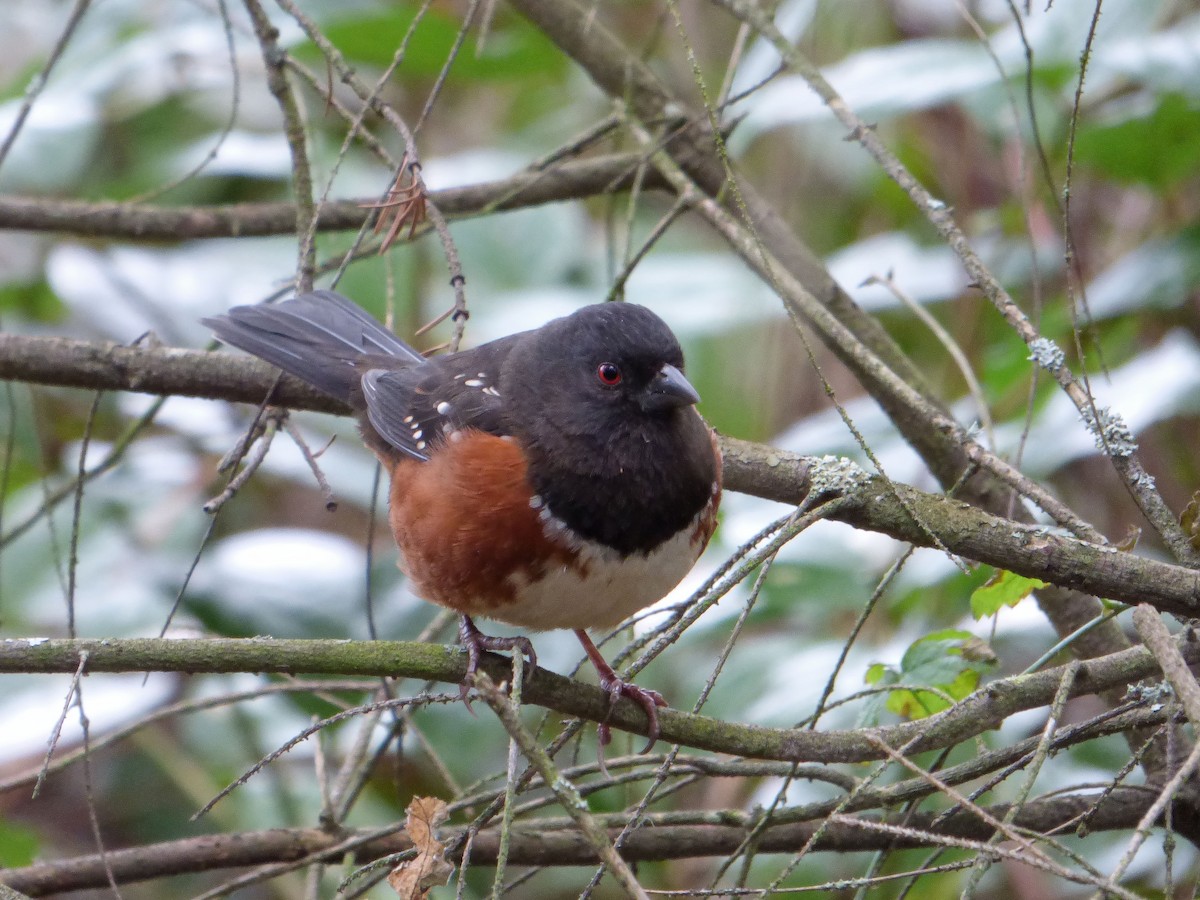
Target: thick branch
{"x": 751, "y": 468}
{"x": 982, "y": 711}
{"x": 535, "y": 844}
{"x": 122, "y": 221}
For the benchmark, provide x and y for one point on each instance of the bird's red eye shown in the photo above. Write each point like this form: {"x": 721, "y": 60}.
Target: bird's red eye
{"x": 609, "y": 374}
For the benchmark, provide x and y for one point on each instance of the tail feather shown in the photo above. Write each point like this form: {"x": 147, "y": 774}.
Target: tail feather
{"x": 318, "y": 337}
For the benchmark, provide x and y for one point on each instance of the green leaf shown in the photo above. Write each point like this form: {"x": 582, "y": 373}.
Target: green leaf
{"x": 1002, "y": 589}
{"x": 513, "y": 48}
{"x": 920, "y": 704}
{"x": 880, "y": 674}
{"x": 31, "y": 301}
{"x": 950, "y": 661}
{"x": 1160, "y": 149}
{"x": 18, "y": 845}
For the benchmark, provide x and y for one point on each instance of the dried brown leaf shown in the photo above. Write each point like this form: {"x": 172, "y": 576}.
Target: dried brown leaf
{"x": 406, "y": 204}
{"x": 1129, "y": 543}
{"x": 413, "y": 878}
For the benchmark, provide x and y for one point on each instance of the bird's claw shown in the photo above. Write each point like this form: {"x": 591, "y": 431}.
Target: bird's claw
{"x": 476, "y": 643}
{"x": 647, "y": 699}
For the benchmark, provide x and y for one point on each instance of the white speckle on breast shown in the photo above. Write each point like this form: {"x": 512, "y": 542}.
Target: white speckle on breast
{"x": 444, "y": 408}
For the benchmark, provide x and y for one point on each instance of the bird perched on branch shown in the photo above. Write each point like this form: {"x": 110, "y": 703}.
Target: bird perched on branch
{"x": 556, "y": 478}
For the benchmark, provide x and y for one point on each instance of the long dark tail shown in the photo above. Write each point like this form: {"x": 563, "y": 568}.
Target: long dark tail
{"x": 318, "y": 337}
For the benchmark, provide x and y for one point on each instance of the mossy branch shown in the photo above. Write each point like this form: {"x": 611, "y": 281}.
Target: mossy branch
{"x": 980, "y": 712}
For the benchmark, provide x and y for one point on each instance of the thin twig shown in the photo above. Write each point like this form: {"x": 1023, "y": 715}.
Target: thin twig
{"x": 437, "y": 220}
{"x": 235, "y": 91}
{"x": 89, "y": 793}
{"x": 293, "y": 127}
{"x": 253, "y": 459}
{"x": 984, "y": 860}
{"x": 566, "y": 792}
{"x": 77, "y": 510}
{"x": 943, "y": 788}
{"x": 1035, "y": 860}
{"x": 944, "y": 338}
{"x": 310, "y": 457}
{"x": 510, "y": 780}
{"x": 56, "y": 731}
{"x": 1165, "y": 797}
{"x": 38, "y": 83}
{"x": 1148, "y": 622}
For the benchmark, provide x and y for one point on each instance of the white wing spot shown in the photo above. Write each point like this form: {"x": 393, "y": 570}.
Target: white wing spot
{"x": 444, "y": 408}
{"x": 473, "y": 382}
{"x": 418, "y": 434}
{"x": 420, "y": 445}
{"x": 408, "y": 420}
{"x": 491, "y": 390}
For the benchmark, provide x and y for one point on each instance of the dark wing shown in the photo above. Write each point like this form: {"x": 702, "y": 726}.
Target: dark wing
{"x": 320, "y": 337}
{"x": 417, "y": 409}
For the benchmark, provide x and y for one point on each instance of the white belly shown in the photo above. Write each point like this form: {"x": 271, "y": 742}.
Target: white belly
{"x": 604, "y": 591}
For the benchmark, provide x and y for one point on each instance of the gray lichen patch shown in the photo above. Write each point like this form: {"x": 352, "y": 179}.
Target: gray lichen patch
{"x": 1047, "y": 354}
{"x": 837, "y": 475}
{"x": 1112, "y": 435}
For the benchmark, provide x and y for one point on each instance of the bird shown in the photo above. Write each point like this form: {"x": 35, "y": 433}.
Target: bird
{"x": 557, "y": 478}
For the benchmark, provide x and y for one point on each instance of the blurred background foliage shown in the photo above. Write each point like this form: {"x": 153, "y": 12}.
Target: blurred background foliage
{"x": 157, "y": 102}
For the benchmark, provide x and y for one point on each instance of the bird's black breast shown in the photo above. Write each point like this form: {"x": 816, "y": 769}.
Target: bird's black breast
{"x": 630, "y": 490}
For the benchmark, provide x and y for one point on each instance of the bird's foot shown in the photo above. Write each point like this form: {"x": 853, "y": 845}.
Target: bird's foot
{"x": 616, "y": 687}
{"x": 476, "y": 643}
{"x": 647, "y": 699}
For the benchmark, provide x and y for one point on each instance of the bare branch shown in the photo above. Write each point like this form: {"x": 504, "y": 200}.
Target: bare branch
{"x": 572, "y": 180}
{"x": 555, "y": 842}
{"x": 987, "y": 708}
{"x": 775, "y": 474}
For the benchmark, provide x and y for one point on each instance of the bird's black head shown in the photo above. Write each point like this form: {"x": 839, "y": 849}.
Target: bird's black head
{"x": 607, "y": 417}
{"x": 610, "y": 360}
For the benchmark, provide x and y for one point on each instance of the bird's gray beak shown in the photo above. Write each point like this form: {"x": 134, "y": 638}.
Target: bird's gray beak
{"x": 669, "y": 390}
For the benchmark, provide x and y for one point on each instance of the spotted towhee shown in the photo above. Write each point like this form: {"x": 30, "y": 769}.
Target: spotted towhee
{"x": 556, "y": 478}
